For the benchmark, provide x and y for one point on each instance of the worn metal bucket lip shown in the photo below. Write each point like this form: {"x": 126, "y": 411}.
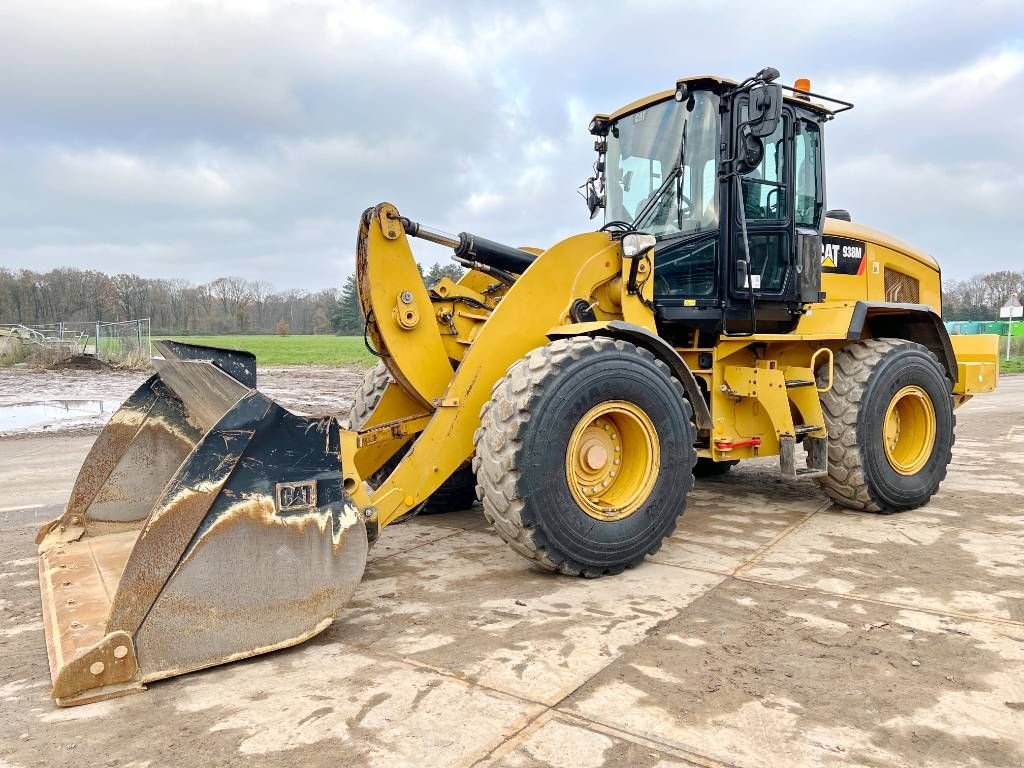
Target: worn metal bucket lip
{"x": 75, "y": 596}
{"x": 156, "y": 675}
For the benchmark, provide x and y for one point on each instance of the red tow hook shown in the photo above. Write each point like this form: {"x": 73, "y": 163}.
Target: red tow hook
{"x": 727, "y": 445}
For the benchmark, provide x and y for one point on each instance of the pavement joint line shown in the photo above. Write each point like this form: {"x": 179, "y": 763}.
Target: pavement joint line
{"x": 553, "y": 709}
{"x": 517, "y": 738}
{"x": 453, "y": 526}
{"x": 452, "y": 675}
{"x": 546, "y": 708}
{"x": 887, "y": 603}
{"x": 561, "y": 697}
{"x": 759, "y": 552}
{"x": 686, "y": 753}
{"x": 793, "y": 527}
{"x": 897, "y": 519}
{"x": 699, "y": 569}
{"x": 421, "y": 544}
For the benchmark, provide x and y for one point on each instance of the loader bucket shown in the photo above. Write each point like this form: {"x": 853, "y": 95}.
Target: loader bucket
{"x": 208, "y": 524}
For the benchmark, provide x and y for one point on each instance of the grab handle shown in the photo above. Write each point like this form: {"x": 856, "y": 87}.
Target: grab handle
{"x": 831, "y": 361}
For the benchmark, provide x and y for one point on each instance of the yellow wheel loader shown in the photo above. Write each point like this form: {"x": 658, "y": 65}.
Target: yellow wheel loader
{"x": 721, "y": 313}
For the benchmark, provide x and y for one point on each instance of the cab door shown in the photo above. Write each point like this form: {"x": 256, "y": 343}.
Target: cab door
{"x": 783, "y": 203}
{"x": 808, "y": 205}
{"x": 767, "y": 204}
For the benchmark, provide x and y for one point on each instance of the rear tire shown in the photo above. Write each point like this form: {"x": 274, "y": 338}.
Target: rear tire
{"x": 530, "y": 438}
{"x": 869, "y": 467}
{"x": 456, "y": 493}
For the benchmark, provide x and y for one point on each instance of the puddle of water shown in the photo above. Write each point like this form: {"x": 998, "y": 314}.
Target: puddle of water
{"x": 26, "y": 415}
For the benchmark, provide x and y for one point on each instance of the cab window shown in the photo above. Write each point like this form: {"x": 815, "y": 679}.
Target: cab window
{"x": 807, "y": 157}
{"x": 640, "y": 177}
{"x": 686, "y": 270}
{"x": 764, "y": 188}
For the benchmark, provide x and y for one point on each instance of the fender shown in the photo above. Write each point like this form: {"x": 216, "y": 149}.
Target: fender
{"x": 913, "y": 322}
{"x": 657, "y": 346}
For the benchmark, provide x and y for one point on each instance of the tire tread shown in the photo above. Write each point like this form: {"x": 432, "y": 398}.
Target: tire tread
{"x": 498, "y": 444}
{"x": 846, "y": 482}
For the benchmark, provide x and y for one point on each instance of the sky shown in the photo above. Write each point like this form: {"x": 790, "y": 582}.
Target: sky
{"x": 198, "y": 139}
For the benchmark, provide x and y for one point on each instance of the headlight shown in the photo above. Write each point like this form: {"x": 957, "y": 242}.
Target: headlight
{"x": 636, "y": 244}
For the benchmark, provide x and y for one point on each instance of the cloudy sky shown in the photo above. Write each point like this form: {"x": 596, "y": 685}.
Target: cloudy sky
{"x": 244, "y": 137}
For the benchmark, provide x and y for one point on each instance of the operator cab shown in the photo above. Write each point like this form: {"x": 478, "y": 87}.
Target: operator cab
{"x": 728, "y": 178}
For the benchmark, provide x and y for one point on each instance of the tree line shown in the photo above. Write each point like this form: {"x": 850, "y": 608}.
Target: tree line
{"x": 236, "y": 305}
{"x": 981, "y": 296}
{"x": 178, "y": 307}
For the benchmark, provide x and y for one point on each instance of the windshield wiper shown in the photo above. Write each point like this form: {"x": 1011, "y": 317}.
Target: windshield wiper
{"x": 650, "y": 205}
{"x": 675, "y": 173}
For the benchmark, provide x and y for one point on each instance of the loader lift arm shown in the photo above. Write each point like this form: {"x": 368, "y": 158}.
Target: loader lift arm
{"x": 587, "y": 266}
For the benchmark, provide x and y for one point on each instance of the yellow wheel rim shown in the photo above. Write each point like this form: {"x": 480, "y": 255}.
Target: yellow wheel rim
{"x": 909, "y": 430}
{"x": 612, "y": 461}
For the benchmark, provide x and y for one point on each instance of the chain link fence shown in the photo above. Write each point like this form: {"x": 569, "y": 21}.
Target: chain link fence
{"x": 125, "y": 344}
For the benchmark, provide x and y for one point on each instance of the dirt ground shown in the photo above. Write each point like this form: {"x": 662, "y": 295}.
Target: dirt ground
{"x": 317, "y": 390}
{"x": 772, "y": 630}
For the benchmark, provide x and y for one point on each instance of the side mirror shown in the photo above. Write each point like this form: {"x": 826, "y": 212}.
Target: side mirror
{"x": 750, "y": 153}
{"x": 595, "y": 202}
{"x": 765, "y": 109}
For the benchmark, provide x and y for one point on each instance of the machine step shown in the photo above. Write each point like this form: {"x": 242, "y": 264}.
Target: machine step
{"x": 817, "y": 455}
{"x": 810, "y": 472}
{"x": 806, "y": 429}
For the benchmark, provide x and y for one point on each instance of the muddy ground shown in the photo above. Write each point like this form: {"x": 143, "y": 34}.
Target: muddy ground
{"x": 772, "y": 630}
{"x": 315, "y": 390}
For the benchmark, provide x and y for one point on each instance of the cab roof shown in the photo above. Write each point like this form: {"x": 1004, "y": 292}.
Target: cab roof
{"x": 701, "y": 82}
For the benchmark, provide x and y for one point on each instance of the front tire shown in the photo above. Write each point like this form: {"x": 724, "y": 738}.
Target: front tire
{"x": 890, "y": 425}
{"x": 550, "y": 471}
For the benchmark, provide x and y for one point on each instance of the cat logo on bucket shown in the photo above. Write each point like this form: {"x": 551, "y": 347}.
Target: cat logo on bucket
{"x": 296, "y": 496}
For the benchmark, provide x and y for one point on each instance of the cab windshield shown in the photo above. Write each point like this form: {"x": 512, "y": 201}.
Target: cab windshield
{"x": 644, "y": 149}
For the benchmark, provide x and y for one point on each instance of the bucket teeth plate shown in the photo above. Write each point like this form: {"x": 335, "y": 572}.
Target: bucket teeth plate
{"x": 207, "y": 524}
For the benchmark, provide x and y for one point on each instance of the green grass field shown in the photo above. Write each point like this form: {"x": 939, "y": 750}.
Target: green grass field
{"x": 293, "y": 350}
{"x": 349, "y": 350}
{"x": 1013, "y": 365}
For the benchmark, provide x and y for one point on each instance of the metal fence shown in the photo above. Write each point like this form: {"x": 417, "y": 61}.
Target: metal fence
{"x": 128, "y": 343}
{"x": 123, "y": 344}
{"x": 41, "y": 344}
